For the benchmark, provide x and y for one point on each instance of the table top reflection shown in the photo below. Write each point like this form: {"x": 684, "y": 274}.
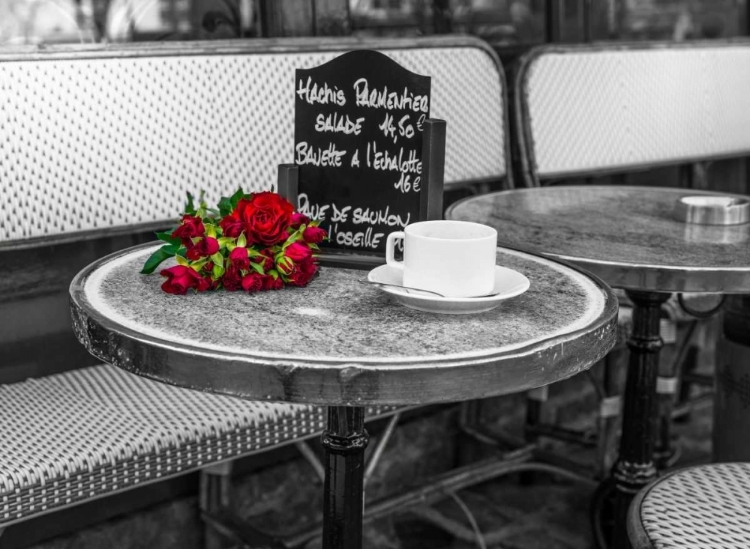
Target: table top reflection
{"x": 629, "y": 236}
{"x": 338, "y": 342}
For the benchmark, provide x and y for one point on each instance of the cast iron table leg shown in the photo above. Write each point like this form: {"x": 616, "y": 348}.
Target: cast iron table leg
{"x": 344, "y": 441}
{"x": 635, "y": 465}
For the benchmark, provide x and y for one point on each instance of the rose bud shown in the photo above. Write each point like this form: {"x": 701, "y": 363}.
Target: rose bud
{"x": 271, "y": 283}
{"x": 232, "y": 279}
{"x": 299, "y": 219}
{"x": 314, "y": 235}
{"x": 180, "y": 279}
{"x": 298, "y": 252}
{"x": 252, "y": 282}
{"x": 303, "y": 273}
{"x": 204, "y": 283}
{"x": 231, "y": 225}
{"x": 205, "y": 247}
{"x": 284, "y": 265}
{"x": 190, "y": 227}
{"x": 239, "y": 258}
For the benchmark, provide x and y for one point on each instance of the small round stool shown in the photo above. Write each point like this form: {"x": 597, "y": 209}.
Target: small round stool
{"x": 703, "y": 507}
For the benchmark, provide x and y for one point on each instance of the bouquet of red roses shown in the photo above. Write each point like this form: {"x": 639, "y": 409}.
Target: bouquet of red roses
{"x": 252, "y": 242}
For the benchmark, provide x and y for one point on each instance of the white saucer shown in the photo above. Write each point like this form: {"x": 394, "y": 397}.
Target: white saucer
{"x": 508, "y": 283}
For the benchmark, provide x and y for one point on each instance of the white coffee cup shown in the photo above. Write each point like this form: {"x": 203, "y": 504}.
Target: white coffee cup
{"x": 452, "y": 258}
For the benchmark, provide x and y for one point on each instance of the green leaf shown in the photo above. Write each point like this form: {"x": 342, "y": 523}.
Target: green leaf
{"x": 257, "y": 267}
{"x": 236, "y": 197}
{"x": 182, "y": 261}
{"x": 202, "y": 206}
{"x": 197, "y": 265}
{"x": 210, "y": 230}
{"x": 225, "y": 206}
{"x": 156, "y": 258}
{"x": 226, "y": 242}
{"x": 217, "y": 258}
{"x": 189, "y": 206}
{"x": 242, "y": 240}
{"x": 168, "y": 238}
{"x": 217, "y": 271}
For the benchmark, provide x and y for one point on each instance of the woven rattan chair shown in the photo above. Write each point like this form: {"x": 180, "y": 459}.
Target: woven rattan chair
{"x": 98, "y": 430}
{"x": 703, "y": 507}
{"x": 100, "y": 144}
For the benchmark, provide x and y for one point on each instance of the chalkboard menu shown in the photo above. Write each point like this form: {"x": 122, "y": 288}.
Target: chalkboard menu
{"x": 359, "y": 121}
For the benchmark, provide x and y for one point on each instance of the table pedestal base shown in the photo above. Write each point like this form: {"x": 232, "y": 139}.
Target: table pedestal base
{"x": 635, "y": 465}
{"x": 344, "y": 440}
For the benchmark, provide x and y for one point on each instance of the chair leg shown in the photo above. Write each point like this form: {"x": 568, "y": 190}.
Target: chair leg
{"x": 214, "y": 496}
{"x": 469, "y": 419}
{"x": 610, "y": 410}
{"x": 534, "y": 400}
{"x": 665, "y": 450}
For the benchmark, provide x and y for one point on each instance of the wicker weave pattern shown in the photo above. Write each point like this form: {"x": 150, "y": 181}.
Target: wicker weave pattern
{"x": 108, "y": 142}
{"x": 701, "y": 507}
{"x": 97, "y": 430}
{"x": 602, "y": 110}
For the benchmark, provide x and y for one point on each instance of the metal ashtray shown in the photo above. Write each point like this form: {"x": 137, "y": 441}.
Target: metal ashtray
{"x": 713, "y": 210}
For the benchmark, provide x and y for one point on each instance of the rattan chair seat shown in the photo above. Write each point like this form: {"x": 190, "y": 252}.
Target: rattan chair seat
{"x": 90, "y": 432}
{"x": 702, "y": 507}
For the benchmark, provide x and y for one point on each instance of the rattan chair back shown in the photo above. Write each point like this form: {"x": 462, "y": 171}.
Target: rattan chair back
{"x": 606, "y": 108}
{"x": 99, "y": 137}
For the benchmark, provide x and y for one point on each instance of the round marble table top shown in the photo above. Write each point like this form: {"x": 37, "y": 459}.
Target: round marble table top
{"x": 339, "y": 342}
{"x": 629, "y": 236}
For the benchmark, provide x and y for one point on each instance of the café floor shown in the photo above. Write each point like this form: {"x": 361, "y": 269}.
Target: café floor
{"x": 547, "y": 514}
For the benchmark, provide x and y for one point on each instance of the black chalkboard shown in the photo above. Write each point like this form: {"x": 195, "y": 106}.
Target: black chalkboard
{"x": 359, "y": 123}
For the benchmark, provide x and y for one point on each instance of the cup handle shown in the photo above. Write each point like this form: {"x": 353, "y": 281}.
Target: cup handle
{"x": 390, "y": 244}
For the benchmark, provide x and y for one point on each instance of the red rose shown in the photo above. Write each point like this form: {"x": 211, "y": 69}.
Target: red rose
{"x": 299, "y": 219}
{"x": 211, "y": 284}
{"x": 252, "y": 282}
{"x": 204, "y": 248}
{"x": 232, "y": 279}
{"x": 298, "y": 252}
{"x": 266, "y": 217}
{"x": 302, "y": 273}
{"x": 314, "y": 235}
{"x": 181, "y": 278}
{"x": 190, "y": 227}
{"x": 231, "y": 225}
{"x": 239, "y": 258}
{"x": 271, "y": 283}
